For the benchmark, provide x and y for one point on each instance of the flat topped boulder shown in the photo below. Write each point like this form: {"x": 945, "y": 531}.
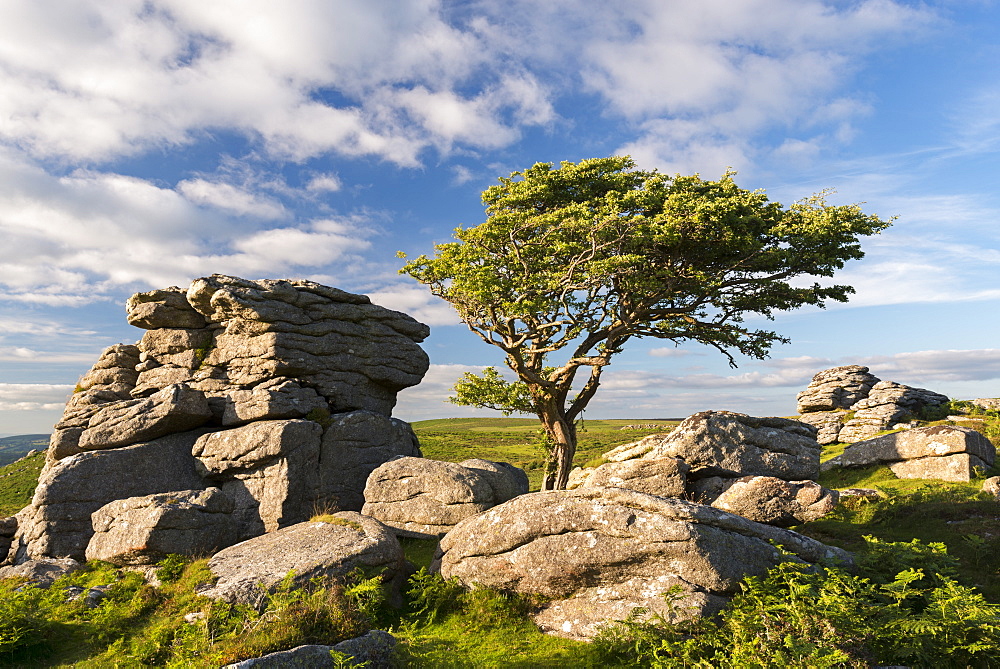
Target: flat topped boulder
{"x": 329, "y": 548}
{"x": 596, "y": 553}
{"x": 424, "y": 498}
{"x": 836, "y": 388}
{"x": 666, "y": 477}
{"x": 724, "y": 443}
{"x": 940, "y": 452}
{"x": 774, "y": 501}
{"x": 144, "y": 530}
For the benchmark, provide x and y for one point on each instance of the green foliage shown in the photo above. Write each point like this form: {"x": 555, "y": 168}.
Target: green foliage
{"x": 431, "y": 596}
{"x": 321, "y": 416}
{"x": 138, "y": 625}
{"x": 579, "y": 259}
{"x": 490, "y": 390}
{"x": 797, "y": 615}
{"x": 17, "y": 483}
{"x": 172, "y": 567}
{"x": 446, "y": 626}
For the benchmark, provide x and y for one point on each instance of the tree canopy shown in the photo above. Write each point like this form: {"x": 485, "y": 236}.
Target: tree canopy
{"x": 580, "y": 258}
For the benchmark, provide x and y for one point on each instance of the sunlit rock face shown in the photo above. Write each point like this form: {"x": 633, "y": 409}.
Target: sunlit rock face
{"x": 597, "y": 553}
{"x": 278, "y": 393}
{"x": 848, "y": 404}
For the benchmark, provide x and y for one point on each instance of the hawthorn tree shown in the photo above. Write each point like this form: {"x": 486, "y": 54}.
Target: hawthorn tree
{"x": 574, "y": 261}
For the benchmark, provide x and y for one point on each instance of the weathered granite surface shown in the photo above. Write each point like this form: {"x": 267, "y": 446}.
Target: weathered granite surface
{"x": 941, "y": 452}
{"x": 597, "y": 553}
{"x": 425, "y": 499}
{"x": 278, "y": 393}
{"x": 849, "y": 404}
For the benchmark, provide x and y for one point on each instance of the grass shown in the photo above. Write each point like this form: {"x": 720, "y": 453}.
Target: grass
{"x": 141, "y": 625}
{"x": 14, "y": 448}
{"x": 516, "y": 440}
{"x": 17, "y": 483}
{"x": 144, "y": 625}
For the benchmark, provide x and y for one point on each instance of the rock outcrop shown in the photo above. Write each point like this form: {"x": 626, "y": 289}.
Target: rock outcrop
{"x": 849, "y": 404}
{"x": 317, "y": 549}
{"x": 770, "y": 500}
{"x": 278, "y": 393}
{"x": 941, "y": 452}
{"x": 887, "y": 405}
{"x": 709, "y": 452}
{"x": 144, "y": 530}
{"x": 374, "y": 650}
{"x": 723, "y": 443}
{"x": 426, "y": 498}
{"x": 597, "y": 553}
{"x": 988, "y": 403}
{"x": 837, "y": 388}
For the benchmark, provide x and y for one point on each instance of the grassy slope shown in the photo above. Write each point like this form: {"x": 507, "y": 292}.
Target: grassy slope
{"x": 13, "y": 448}
{"x": 17, "y": 483}
{"x": 958, "y": 515}
{"x": 516, "y": 440}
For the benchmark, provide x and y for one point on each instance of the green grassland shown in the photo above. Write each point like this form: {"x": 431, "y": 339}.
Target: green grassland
{"x": 441, "y": 625}
{"x": 13, "y": 448}
{"x": 518, "y": 440}
{"x": 17, "y": 483}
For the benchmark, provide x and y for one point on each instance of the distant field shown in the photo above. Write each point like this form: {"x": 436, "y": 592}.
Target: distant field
{"x": 516, "y": 440}
{"x": 14, "y": 448}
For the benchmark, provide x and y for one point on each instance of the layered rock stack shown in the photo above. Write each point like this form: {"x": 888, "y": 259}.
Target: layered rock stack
{"x": 942, "y": 452}
{"x": 276, "y": 393}
{"x": 760, "y": 468}
{"x": 848, "y": 404}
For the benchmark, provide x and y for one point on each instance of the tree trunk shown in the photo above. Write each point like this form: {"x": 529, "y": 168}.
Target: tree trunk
{"x": 562, "y": 448}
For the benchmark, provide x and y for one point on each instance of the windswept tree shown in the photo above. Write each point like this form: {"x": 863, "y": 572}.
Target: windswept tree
{"x": 574, "y": 261}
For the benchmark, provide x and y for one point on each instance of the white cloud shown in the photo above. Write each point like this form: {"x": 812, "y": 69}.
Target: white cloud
{"x": 27, "y": 354}
{"x": 324, "y": 183}
{"x": 100, "y": 80}
{"x": 705, "y": 80}
{"x": 670, "y": 352}
{"x": 40, "y": 329}
{"x": 230, "y": 198}
{"x": 416, "y": 301}
{"x": 78, "y": 238}
{"x": 937, "y": 366}
{"x": 33, "y": 396}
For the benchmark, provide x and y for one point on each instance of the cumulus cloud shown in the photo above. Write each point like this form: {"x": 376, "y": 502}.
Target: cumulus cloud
{"x": 324, "y": 183}
{"x": 80, "y": 237}
{"x": 107, "y": 80}
{"x": 33, "y": 396}
{"x": 418, "y": 302}
{"x": 230, "y": 198}
{"x": 704, "y": 80}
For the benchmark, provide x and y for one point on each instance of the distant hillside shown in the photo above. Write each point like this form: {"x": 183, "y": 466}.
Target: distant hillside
{"x": 14, "y": 448}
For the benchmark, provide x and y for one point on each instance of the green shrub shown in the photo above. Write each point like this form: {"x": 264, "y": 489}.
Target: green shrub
{"x": 139, "y": 625}
{"x": 797, "y": 615}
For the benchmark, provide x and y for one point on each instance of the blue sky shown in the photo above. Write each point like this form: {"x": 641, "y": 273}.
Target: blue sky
{"x": 147, "y": 143}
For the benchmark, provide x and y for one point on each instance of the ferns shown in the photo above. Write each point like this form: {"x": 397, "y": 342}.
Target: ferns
{"x": 800, "y": 616}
